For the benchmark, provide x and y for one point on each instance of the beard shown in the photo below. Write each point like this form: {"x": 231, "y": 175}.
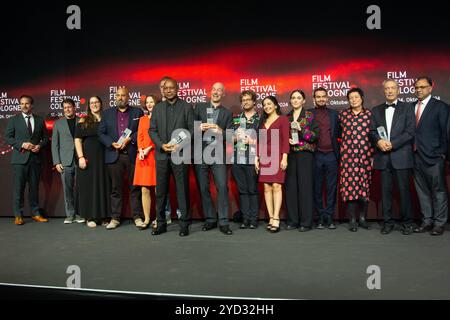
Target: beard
{"x": 121, "y": 104}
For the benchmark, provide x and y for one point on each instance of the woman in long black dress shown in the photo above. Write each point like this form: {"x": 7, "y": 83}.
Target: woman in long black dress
{"x": 92, "y": 178}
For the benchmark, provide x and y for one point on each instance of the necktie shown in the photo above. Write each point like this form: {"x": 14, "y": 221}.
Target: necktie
{"x": 30, "y": 129}
{"x": 418, "y": 111}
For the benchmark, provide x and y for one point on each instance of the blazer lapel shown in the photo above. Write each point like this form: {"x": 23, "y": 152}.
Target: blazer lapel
{"x": 160, "y": 117}
{"x": 65, "y": 125}
{"x": 428, "y": 109}
{"x": 178, "y": 113}
{"x": 383, "y": 118}
{"x": 114, "y": 123}
{"x": 395, "y": 120}
{"x": 330, "y": 116}
{"x": 23, "y": 121}
{"x": 220, "y": 118}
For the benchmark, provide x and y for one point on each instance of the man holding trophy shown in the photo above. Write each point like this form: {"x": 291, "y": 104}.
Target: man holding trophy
{"x": 171, "y": 127}
{"x": 392, "y": 131}
{"x": 117, "y": 131}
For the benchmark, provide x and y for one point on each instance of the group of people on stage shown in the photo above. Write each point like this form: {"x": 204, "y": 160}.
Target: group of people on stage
{"x": 317, "y": 151}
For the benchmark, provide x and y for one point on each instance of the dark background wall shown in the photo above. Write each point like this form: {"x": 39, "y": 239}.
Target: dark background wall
{"x": 274, "y": 47}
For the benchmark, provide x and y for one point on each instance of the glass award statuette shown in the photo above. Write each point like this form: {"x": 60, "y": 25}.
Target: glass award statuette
{"x": 178, "y": 139}
{"x": 294, "y": 132}
{"x": 209, "y": 116}
{"x": 126, "y": 134}
{"x": 382, "y": 133}
{"x": 243, "y": 127}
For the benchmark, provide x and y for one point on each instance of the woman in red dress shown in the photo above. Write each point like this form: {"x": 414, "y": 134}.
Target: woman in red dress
{"x": 271, "y": 161}
{"x": 356, "y": 158}
{"x": 145, "y": 170}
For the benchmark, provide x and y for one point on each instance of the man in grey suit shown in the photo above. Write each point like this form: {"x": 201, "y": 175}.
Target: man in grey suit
{"x": 63, "y": 154}
{"x": 214, "y": 118}
{"x": 27, "y": 134}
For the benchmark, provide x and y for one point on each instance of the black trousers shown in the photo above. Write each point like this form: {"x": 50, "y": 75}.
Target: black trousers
{"x": 431, "y": 191}
{"x": 401, "y": 177}
{"x": 219, "y": 172}
{"x": 299, "y": 189}
{"x": 325, "y": 168}
{"x": 247, "y": 183}
{"x": 117, "y": 173}
{"x": 30, "y": 173}
{"x": 164, "y": 169}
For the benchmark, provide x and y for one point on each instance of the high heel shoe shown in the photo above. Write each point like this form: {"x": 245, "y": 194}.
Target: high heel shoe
{"x": 269, "y": 225}
{"x": 275, "y": 229}
{"x": 143, "y": 226}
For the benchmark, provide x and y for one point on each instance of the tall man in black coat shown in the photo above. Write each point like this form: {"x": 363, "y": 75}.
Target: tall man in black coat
{"x": 431, "y": 143}
{"x": 27, "y": 134}
{"x": 392, "y": 131}
{"x": 169, "y": 119}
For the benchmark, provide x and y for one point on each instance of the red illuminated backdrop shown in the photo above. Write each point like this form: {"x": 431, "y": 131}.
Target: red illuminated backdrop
{"x": 269, "y": 67}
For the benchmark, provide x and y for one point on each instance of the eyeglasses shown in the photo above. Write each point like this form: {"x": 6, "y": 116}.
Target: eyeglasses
{"x": 421, "y": 87}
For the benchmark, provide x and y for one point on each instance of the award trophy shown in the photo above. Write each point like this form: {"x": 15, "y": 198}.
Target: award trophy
{"x": 294, "y": 132}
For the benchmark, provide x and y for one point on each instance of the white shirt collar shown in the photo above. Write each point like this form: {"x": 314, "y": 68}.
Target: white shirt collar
{"x": 25, "y": 116}
{"x": 425, "y": 101}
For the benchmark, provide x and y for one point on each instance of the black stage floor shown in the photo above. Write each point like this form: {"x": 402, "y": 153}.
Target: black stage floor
{"x": 320, "y": 264}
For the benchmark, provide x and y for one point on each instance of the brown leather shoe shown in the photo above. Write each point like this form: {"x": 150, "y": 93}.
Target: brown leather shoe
{"x": 437, "y": 231}
{"x": 18, "y": 221}
{"x": 39, "y": 219}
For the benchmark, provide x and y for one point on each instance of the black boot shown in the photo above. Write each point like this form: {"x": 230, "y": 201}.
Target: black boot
{"x": 363, "y": 214}
{"x": 351, "y": 210}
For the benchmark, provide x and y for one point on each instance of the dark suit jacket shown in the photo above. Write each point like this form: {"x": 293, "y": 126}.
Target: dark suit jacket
{"x": 107, "y": 133}
{"x": 431, "y": 133}
{"x": 335, "y": 129}
{"x": 402, "y": 136}
{"x": 17, "y": 133}
{"x": 224, "y": 120}
{"x": 184, "y": 119}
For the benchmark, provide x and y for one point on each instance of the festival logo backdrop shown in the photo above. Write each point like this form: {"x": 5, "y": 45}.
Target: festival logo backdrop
{"x": 305, "y": 66}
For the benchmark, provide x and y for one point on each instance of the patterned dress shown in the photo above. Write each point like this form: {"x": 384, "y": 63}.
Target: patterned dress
{"x": 356, "y": 155}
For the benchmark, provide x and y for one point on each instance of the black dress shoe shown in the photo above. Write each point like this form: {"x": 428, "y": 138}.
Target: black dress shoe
{"x": 244, "y": 226}
{"x": 423, "y": 228}
{"x": 253, "y": 226}
{"x": 304, "y": 229}
{"x": 437, "y": 231}
{"x": 184, "y": 232}
{"x": 320, "y": 226}
{"x": 209, "y": 225}
{"x": 363, "y": 224}
{"x": 321, "y": 223}
{"x": 226, "y": 230}
{"x": 353, "y": 226}
{"x": 159, "y": 230}
{"x": 289, "y": 227}
{"x": 387, "y": 228}
{"x": 407, "y": 230}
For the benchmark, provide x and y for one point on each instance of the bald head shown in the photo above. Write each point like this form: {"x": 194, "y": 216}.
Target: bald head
{"x": 217, "y": 92}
